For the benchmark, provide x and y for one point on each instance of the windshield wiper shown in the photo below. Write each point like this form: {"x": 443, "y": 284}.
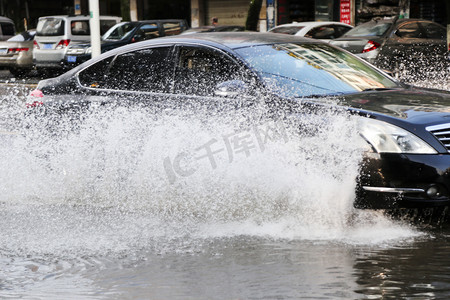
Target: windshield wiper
{"x": 335, "y": 94}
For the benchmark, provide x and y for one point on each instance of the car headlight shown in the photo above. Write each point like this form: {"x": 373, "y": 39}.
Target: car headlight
{"x": 388, "y": 138}
{"x": 88, "y": 50}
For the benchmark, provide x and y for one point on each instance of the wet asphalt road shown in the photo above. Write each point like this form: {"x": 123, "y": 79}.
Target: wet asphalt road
{"x": 7, "y": 78}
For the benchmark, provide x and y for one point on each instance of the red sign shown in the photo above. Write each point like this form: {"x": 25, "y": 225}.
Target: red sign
{"x": 346, "y": 11}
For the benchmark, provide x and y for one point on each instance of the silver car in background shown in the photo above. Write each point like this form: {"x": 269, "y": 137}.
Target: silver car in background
{"x": 55, "y": 33}
{"x": 399, "y": 46}
{"x": 321, "y": 30}
{"x": 16, "y": 54}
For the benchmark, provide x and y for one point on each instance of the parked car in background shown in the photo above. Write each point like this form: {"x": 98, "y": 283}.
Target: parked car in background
{"x": 16, "y": 54}
{"x": 404, "y": 130}
{"x": 217, "y": 28}
{"x": 317, "y": 30}
{"x": 7, "y": 28}
{"x": 122, "y": 34}
{"x": 55, "y": 33}
{"x": 398, "y": 44}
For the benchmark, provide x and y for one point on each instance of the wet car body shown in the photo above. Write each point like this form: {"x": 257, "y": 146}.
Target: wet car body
{"x": 398, "y": 44}
{"x": 136, "y": 31}
{"x": 16, "y": 54}
{"x": 406, "y": 129}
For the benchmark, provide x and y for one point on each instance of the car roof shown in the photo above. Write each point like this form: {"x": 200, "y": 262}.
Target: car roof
{"x": 221, "y": 40}
{"x": 313, "y": 23}
{"x": 154, "y": 21}
{"x": 5, "y": 19}
{"x": 77, "y": 17}
{"x": 417, "y": 20}
{"x": 396, "y": 21}
{"x": 236, "y": 40}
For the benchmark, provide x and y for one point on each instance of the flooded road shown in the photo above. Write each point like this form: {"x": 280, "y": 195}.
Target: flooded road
{"x": 107, "y": 214}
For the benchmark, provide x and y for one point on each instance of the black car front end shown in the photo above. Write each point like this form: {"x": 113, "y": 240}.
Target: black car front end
{"x": 408, "y": 163}
{"x": 391, "y": 180}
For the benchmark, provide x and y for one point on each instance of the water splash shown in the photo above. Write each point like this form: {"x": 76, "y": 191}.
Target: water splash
{"x": 106, "y": 187}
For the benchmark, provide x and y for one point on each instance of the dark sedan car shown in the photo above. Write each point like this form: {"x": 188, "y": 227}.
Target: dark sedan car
{"x": 398, "y": 44}
{"x": 125, "y": 33}
{"x": 406, "y": 130}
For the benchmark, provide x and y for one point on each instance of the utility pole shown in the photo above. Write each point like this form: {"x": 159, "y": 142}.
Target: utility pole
{"x": 133, "y": 10}
{"x": 94, "y": 24}
{"x": 448, "y": 27}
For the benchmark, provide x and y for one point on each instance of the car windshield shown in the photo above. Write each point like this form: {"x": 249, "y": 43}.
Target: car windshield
{"x": 119, "y": 31}
{"x": 287, "y": 29}
{"x": 50, "y": 27}
{"x": 369, "y": 29}
{"x": 301, "y": 70}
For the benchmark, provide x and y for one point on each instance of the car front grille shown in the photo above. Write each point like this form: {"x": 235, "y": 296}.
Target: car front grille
{"x": 442, "y": 133}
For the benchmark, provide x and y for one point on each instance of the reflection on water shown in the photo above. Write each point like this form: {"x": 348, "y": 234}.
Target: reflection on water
{"x": 94, "y": 214}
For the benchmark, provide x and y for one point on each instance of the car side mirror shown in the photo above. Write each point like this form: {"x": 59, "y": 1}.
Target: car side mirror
{"x": 232, "y": 89}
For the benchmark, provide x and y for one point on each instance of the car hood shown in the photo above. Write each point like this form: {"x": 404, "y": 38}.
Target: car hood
{"x": 419, "y": 106}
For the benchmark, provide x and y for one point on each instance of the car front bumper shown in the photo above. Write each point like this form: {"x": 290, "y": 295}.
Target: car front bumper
{"x": 403, "y": 180}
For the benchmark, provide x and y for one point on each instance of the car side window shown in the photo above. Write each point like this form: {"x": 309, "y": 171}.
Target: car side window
{"x": 80, "y": 27}
{"x": 322, "y": 32}
{"x": 105, "y": 25}
{"x": 7, "y": 29}
{"x": 172, "y": 28}
{"x": 147, "y": 32}
{"x": 199, "y": 70}
{"x": 434, "y": 31}
{"x": 410, "y": 30}
{"x": 340, "y": 30}
{"x": 146, "y": 70}
{"x": 94, "y": 75}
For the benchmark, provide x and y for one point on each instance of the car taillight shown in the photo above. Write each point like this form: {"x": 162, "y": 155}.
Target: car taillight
{"x": 33, "y": 102}
{"x": 371, "y": 45}
{"x": 35, "y": 45}
{"x": 17, "y": 50}
{"x": 62, "y": 44}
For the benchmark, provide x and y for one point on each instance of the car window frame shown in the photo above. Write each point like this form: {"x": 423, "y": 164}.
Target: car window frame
{"x": 421, "y": 31}
{"x": 424, "y": 29}
{"x": 248, "y": 75}
{"x": 111, "y": 64}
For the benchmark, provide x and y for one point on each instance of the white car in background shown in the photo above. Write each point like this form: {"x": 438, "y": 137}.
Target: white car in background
{"x": 54, "y": 34}
{"x": 322, "y": 30}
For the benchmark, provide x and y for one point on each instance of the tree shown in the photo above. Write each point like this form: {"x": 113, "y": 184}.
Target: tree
{"x": 253, "y": 15}
{"x": 125, "y": 10}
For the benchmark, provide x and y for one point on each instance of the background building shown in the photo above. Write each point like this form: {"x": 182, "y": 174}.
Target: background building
{"x": 234, "y": 12}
